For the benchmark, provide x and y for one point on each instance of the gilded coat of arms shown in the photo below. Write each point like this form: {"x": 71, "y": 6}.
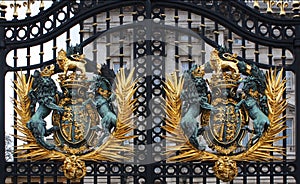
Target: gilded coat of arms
{"x": 90, "y": 116}
{"x": 225, "y": 111}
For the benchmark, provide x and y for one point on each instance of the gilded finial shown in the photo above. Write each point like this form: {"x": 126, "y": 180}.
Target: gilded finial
{"x": 3, "y": 6}
{"x": 269, "y": 3}
{"x": 15, "y": 5}
{"x": 42, "y": 6}
{"x": 28, "y": 4}
{"x": 282, "y": 5}
{"x": 256, "y": 4}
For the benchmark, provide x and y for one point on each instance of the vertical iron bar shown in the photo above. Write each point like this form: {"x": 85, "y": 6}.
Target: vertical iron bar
{"x": 243, "y": 47}
{"x": 204, "y": 173}
{"x": 296, "y": 68}
{"x": 15, "y": 160}
{"x": 108, "y": 41}
{"x": 95, "y": 42}
{"x": 108, "y": 58}
{"x": 2, "y": 102}
{"x": 135, "y": 57}
{"x": 28, "y": 56}
{"x": 68, "y": 37}
{"x": 256, "y": 52}
{"x": 203, "y": 51}
{"x": 149, "y": 55}
{"x": 176, "y": 18}
{"x": 258, "y": 170}
{"x": 270, "y": 55}
{"x": 190, "y": 57}
{"x": 121, "y": 39}
{"x": 230, "y": 40}
{"x": 216, "y": 33}
{"x": 81, "y": 33}
{"x": 284, "y": 157}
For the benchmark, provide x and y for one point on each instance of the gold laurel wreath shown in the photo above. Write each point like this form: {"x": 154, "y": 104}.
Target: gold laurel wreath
{"x": 260, "y": 151}
{"x": 109, "y": 151}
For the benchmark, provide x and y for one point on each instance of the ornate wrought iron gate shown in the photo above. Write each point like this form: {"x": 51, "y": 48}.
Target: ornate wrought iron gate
{"x": 160, "y": 32}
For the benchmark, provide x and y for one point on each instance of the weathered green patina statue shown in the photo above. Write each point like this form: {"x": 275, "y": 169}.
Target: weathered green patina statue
{"x": 43, "y": 92}
{"x": 251, "y": 101}
{"x": 194, "y": 95}
{"x": 103, "y": 98}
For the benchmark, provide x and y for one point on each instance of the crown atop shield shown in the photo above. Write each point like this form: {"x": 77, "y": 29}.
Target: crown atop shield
{"x": 226, "y": 71}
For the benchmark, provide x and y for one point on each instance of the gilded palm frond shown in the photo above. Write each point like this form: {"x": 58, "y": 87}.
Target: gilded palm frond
{"x": 110, "y": 150}
{"x": 260, "y": 151}
{"x": 30, "y": 149}
{"x": 175, "y": 134}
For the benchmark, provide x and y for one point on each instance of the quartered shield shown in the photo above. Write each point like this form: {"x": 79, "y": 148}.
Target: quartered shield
{"x": 78, "y": 121}
{"x": 223, "y": 126}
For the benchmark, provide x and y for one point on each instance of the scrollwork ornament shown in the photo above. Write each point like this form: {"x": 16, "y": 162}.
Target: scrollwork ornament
{"x": 224, "y": 114}
{"x": 84, "y": 124}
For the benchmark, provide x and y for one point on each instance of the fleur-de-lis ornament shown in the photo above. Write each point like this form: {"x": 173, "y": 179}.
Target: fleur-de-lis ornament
{"x": 15, "y": 6}
{"x": 28, "y": 4}
{"x": 282, "y": 5}
{"x": 269, "y": 3}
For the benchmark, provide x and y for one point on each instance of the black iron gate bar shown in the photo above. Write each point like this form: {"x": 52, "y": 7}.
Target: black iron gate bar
{"x": 77, "y": 13}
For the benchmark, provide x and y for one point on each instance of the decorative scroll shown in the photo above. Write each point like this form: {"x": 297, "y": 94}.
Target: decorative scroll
{"x": 215, "y": 121}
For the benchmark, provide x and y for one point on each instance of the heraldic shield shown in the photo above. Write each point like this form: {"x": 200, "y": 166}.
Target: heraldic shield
{"x": 91, "y": 108}
{"x": 226, "y": 110}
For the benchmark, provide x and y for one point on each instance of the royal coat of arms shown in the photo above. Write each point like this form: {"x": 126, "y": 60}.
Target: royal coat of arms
{"x": 91, "y": 113}
{"x": 225, "y": 111}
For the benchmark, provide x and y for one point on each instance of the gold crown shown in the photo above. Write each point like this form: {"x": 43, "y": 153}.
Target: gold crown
{"x": 225, "y": 80}
{"x": 48, "y": 71}
{"x": 62, "y": 55}
{"x": 73, "y": 80}
{"x": 198, "y": 72}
